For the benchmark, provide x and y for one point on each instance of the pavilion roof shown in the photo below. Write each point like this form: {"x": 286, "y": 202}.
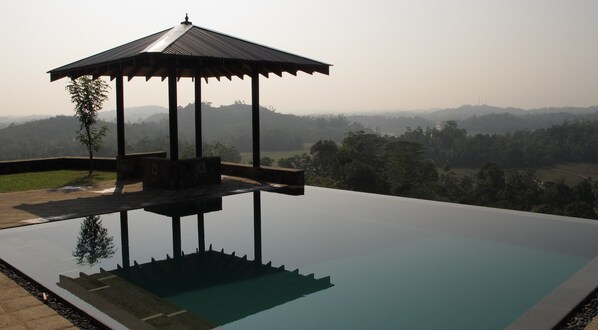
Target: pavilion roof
{"x": 186, "y": 47}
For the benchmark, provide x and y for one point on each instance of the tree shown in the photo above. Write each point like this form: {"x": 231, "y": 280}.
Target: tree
{"x": 88, "y": 95}
{"x": 324, "y": 153}
{"x": 93, "y": 243}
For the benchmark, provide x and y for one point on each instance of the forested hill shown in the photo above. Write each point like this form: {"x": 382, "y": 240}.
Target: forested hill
{"x": 229, "y": 125}
{"x": 476, "y": 119}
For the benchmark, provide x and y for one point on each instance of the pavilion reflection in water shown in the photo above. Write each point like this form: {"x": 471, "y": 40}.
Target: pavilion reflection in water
{"x": 201, "y": 290}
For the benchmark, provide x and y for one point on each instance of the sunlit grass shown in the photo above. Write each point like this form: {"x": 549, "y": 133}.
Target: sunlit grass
{"x": 51, "y": 179}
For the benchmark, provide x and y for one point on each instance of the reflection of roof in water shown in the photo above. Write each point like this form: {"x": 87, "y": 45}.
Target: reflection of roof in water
{"x": 215, "y": 287}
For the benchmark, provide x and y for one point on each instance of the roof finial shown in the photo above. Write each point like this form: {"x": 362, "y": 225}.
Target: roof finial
{"x": 186, "y": 22}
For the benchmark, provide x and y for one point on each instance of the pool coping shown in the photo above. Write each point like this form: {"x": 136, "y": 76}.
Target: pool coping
{"x": 551, "y": 311}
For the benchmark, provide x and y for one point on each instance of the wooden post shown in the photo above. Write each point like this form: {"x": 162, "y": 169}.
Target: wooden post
{"x": 172, "y": 115}
{"x": 201, "y": 235}
{"x": 120, "y": 115}
{"x": 124, "y": 238}
{"x": 255, "y": 116}
{"x": 257, "y": 226}
{"x": 198, "y": 132}
{"x": 176, "y": 237}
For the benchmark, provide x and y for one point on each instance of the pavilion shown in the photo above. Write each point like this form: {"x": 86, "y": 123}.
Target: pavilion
{"x": 192, "y": 52}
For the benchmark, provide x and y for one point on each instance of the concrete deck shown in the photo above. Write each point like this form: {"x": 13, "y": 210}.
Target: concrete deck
{"x": 36, "y": 206}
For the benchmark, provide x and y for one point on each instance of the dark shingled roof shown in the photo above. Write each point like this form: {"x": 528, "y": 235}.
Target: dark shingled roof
{"x": 186, "y": 47}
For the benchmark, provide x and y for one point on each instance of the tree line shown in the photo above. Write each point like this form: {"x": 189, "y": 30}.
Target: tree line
{"x": 476, "y": 119}
{"x": 228, "y": 126}
{"x": 452, "y": 146}
{"x": 405, "y": 166}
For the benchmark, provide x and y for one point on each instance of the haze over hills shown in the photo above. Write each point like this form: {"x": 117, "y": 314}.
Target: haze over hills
{"x": 228, "y": 125}
{"x": 156, "y": 113}
{"x": 7, "y": 120}
{"x": 475, "y": 118}
{"x": 133, "y": 114}
{"x": 147, "y": 127}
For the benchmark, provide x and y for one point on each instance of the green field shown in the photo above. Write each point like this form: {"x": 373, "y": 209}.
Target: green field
{"x": 571, "y": 173}
{"x": 51, "y": 179}
{"x": 246, "y": 157}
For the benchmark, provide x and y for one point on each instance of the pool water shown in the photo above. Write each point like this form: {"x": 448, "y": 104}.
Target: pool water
{"x": 381, "y": 262}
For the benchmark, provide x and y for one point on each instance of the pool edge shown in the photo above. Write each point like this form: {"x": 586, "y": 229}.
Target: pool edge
{"x": 556, "y": 306}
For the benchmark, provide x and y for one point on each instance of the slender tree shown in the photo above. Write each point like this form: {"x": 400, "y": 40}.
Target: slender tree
{"x": 88, "y": 95}
{"x": 93, "y": 243}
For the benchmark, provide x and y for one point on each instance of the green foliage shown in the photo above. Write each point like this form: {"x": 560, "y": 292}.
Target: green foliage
{"x": 568, "y": 142}
{"x": 226, "y": 153}
{"x": 227, "y": 125}
{"x": 302, "y": 161}
{"x": 88, "y": 95}
{"x": 387, "y": 165}
{"x": 266, "y": 161}
{"x": 51, "y": 179}
{"x": 93, "y": 243}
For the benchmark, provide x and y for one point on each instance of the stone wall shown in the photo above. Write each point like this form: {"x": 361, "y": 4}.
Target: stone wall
{"x": 57, "y": 163}
{"x": 180, "y": 174}
{"x": 289, "y": 176}
{"x": 130, "y": 166}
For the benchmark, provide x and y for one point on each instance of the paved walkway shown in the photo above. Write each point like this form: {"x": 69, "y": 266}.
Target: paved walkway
{"x": 20, "y": 310}
{"x": 36, "y": 206}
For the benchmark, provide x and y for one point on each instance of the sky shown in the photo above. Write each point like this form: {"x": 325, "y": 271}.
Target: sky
{"x": 386, "y": 55}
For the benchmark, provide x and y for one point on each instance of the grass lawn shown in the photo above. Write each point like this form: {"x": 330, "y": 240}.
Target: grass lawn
{"x": 51, "y": 179}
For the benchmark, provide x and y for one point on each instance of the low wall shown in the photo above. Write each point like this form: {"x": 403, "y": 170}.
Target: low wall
{"x": 180, "y": 174}
{"x": 130, "y": 166}
{"x": 127, "y": 167}
{"x": 289, "y": 176}
{"x": 57, "y": 163}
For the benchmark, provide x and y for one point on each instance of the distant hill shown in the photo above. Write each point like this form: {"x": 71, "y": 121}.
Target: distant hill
{"x": 476, "y": 119}
{"x": 134, "y": 114}
{"x": 8, "y": 120}
{"x": 147, "y": 127}
{"x": 229, "y": 125}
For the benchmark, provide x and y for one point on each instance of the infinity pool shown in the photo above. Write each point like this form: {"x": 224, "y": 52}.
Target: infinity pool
{"x": 361, "y": 260}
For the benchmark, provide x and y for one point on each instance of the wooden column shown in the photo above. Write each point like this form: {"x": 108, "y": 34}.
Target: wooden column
{"x": 257, "y": 226}
{"x": 198, "y": 132}
{"x": 172, "y": 115}
{"x": 120, "y": 115}
{"x": 176, "y": 237}
{"x": 255, "y": 116}
{"x": 201, "y": 235}
{"x": 124, "y": 238}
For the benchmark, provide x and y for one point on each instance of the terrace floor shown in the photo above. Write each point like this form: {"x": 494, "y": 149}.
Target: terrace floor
{"x": 37, "y": 206}
{"x": 19, "y": 309}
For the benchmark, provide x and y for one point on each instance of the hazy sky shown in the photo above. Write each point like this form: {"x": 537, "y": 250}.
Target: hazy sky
{"x": 386, "y": 55}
